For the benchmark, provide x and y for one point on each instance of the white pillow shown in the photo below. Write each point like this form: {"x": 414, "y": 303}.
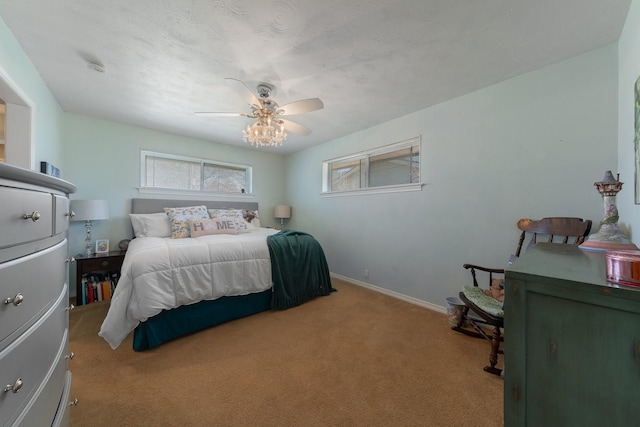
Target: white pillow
{"x": 151, "y": 225}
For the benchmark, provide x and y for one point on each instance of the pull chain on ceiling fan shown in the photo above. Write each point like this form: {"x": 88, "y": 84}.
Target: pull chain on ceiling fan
{"x": 269, "y": 129}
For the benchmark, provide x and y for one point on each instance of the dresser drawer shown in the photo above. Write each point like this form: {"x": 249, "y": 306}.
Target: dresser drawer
{"x": 101, "y": 264}
{"x": 46, "y": 403}
{"x": 17, "y": 203}
{"x": 30, "y": 359}
{"x": 38, "y": 278}
{"x": 61, "y": 215}
{"x": 63, "y": 414}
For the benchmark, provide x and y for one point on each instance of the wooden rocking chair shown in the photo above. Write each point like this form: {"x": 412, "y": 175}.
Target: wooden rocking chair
{"x": 483, "y": 311}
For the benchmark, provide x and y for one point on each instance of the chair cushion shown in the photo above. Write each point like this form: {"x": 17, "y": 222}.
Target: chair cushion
{"x": 476, "y": 295}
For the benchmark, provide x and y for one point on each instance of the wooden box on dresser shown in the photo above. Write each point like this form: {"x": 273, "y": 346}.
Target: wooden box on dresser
{"x": 34, "y": 308}
{"x": 572, "y": 341}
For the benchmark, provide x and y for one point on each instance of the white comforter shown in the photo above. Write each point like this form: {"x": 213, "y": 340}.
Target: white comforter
{"x": 164, "y": 273}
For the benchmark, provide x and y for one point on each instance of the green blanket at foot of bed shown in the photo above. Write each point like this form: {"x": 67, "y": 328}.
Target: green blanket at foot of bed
{"x": 299, "y": 269}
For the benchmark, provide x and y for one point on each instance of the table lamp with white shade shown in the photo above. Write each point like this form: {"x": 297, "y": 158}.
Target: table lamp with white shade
{"x": 89, "y": 210}
{"x": 282, "y": 212}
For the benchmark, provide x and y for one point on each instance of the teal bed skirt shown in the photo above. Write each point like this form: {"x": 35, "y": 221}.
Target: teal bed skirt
{"x": 187, "y": 319}
{"x": 299, "y": 273}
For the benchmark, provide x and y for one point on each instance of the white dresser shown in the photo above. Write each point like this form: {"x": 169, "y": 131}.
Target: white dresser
{"x": 35, "y": 380}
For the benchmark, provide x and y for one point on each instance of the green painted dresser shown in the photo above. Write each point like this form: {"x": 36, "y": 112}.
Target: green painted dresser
{"x": 572, "y": 342}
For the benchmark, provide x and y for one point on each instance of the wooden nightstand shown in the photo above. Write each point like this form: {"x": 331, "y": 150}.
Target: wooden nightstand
{"x": 111, "y": 262}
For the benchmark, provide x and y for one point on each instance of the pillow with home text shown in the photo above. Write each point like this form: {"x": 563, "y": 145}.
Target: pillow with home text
{"x": 204, "y": 227}
{"x": 241, "y": 224}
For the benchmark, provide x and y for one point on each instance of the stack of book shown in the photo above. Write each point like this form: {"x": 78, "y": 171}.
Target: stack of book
{"x": 98, "y": 286}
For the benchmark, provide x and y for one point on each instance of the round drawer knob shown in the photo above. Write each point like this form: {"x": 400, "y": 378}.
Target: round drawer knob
{"x": 74, "y": 402}
{"x": 15, "y": 387}
{"x": 35, "y": 215}
{"x": 17, "y": 300}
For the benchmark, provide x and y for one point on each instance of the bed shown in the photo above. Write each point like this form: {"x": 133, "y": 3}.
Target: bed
{"x": 171, "y": 287}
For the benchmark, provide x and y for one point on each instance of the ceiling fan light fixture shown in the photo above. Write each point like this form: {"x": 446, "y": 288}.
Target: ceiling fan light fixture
{"x": 263, "y": 134}
{"x": 268, "y": 130}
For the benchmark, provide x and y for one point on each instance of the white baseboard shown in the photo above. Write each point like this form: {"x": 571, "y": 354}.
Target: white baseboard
{"x": 393, "y": 294}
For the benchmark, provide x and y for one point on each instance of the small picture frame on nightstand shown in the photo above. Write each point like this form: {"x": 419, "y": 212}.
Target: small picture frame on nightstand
{"x": 102, "y": 246}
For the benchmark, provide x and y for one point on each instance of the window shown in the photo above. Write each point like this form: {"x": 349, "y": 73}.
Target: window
{"x": 2, "y": 126}
{"x": 19, "y": 125}
{"x": 395, "y": 167}
{"x": 168, "y": 172}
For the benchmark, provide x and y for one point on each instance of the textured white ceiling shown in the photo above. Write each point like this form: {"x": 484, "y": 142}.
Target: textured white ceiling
{"x": 368, "y": 60}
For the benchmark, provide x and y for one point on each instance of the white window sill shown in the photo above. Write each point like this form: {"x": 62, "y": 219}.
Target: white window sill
{"x": 200, "y": 194}
{"x": 375, "y": 190}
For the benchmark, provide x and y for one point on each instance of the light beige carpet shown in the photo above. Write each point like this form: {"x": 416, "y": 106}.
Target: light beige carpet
{"x": 354, "y": 358}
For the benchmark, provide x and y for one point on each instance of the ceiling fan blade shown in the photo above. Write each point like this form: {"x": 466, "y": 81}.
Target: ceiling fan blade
{"x": 217, "y": 114}
{"x": 243, "y": 91}
{"x": 304, "y": 106}
{"x": 296, "y": 128}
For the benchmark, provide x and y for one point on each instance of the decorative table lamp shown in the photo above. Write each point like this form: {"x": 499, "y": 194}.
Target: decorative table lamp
{"x": 609, "y": 237}
{"x": 89, "y": 210}
{"x": 282, "y": 212}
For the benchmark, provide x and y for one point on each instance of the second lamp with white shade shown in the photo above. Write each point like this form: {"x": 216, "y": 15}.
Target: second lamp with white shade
{"x": 89, "y": 210}
{"x": 282, "y": 212}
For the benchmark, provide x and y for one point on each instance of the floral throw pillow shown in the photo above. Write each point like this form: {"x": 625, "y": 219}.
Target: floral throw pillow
{"x": 179, "y": 219}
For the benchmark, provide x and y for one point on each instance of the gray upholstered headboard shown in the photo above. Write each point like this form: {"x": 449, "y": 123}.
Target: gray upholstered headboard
{"x": 144, "y": 206}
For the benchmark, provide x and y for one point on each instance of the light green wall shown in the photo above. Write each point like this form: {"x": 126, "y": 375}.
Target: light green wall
{"x": 629, "y": 72}
{"x": 17, "y": 68}
{"x": 531, "y": 146}
{"x": 102, "y": 159}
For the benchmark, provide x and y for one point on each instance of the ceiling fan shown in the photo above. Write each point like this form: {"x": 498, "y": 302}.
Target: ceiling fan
{"x": 269, "y": 128}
